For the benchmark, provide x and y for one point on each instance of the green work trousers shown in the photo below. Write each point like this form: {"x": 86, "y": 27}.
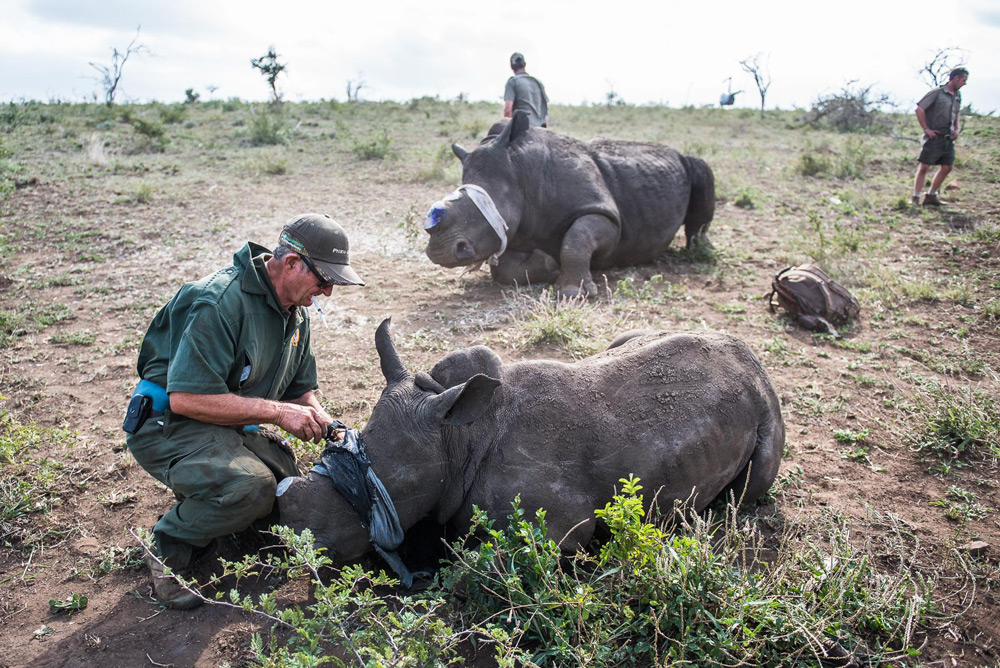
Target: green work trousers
{"x": 225, "y": 478}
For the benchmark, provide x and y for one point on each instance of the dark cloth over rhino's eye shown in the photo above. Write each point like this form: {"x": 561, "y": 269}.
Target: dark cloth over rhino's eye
{"x": 434, "y": 216}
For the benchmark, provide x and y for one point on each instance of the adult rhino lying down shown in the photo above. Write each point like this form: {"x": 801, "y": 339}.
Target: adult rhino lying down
{"x": 692, "y": 415}
{"x": 546, "y": 208}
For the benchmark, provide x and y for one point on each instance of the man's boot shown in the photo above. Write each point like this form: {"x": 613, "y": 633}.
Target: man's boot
{"x": 931, "y": 199}
{"x": 166, "y": 589}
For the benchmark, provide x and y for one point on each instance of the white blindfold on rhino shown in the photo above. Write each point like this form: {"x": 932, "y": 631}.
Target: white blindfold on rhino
{"x": 486, "y": 206}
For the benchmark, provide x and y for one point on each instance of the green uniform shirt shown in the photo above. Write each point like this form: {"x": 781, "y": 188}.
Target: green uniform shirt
{"x": 941, "y": 108}
{"x": 228, "y": 333}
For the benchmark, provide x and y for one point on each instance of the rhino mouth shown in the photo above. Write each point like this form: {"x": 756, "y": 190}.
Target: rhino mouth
{"x": 456, "y": 252}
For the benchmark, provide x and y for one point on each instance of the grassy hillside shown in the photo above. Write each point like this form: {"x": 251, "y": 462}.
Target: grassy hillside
{"x": 871, "y": 542}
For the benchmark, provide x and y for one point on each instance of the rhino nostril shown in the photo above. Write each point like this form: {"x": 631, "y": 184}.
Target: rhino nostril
{"x": 463, "y": 250}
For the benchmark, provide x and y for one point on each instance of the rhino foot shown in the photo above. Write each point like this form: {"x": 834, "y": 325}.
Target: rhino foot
{"x": 582, "y": 290}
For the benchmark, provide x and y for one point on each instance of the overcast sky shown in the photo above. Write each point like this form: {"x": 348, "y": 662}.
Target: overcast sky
{"x": 660, "y": 51}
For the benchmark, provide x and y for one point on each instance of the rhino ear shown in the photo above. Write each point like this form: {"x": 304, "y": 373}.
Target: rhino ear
{"x": 519, "y": 125}
{"x": 465, "y": 403}
{"x": 460, "y": 365}
{"x": 459, "y": 152}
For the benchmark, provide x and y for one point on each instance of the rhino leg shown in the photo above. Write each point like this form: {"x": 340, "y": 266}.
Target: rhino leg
{"x": 588, "y": 236}
{"x": 758, "y": 475}
{"x": 518, "y": 268}
{"x": 701, "y": 204}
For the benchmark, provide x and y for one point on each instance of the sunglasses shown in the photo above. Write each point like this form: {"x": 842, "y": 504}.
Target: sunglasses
{"x": 323, "y": 283}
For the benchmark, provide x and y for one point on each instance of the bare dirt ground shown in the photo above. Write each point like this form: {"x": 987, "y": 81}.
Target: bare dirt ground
{"x": 109, "y": 230}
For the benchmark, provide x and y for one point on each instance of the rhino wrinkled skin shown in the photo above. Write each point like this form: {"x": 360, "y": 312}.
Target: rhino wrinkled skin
{"x": 694, "y": 415}
{"x": 571, "y": 206}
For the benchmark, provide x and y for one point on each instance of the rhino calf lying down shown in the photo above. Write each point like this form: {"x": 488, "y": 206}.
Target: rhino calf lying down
{"x": 692, "y": 415}
{"x": 546, "y": 208}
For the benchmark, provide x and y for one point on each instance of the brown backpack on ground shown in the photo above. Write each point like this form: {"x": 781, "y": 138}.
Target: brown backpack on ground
{"x": 813, "y": 298}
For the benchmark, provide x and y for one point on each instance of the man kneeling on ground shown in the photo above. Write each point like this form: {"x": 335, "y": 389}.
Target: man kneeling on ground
{"x": 227, "y": 353}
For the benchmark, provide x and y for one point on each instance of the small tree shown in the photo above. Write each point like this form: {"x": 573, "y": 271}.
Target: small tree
{"x": 353, "y": 88}
{"x": 760, "y": 75}
{"x": 612, "y": 98}
{"x": 111, "y": 76}
{"x": 270, "y": 68}
{"x": 935, "y": 71}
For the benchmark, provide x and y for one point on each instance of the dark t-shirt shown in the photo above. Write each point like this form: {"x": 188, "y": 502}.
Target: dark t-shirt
{"x": 528, "y": 94}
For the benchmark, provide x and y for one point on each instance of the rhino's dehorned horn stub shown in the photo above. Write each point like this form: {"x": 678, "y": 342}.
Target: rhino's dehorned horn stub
{"x": 392, "y": 367}
{"x": 459, "y": 152}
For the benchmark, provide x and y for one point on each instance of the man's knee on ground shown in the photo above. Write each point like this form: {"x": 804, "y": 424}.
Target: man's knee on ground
{"x": 251, "y": 496}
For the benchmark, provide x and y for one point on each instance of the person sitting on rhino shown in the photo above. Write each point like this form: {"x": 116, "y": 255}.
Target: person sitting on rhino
{"x": 230, "y": 351}
{"x": 524, "y": 92}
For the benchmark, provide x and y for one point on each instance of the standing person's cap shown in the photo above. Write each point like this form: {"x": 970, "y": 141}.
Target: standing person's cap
{"x": 516, "y": 60}
{"x": 319, "y": 238}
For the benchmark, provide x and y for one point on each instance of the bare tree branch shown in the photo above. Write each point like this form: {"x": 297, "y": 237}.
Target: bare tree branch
{"x": 935, "y": 71}
{"x": 110, "y": 76}
{"x": 761, "y": 76}
{"x": 352, "y": 93}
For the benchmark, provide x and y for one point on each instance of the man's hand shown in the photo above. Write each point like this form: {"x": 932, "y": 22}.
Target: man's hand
{"x": 931, "y": 134}
{"x": 304, "y": 417}
{"x": 305, "y": 422}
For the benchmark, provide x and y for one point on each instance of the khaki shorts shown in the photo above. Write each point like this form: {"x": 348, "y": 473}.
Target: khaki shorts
{"x": 938, "y": 151}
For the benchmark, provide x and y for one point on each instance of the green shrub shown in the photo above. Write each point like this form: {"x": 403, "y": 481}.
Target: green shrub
{"x": 353, "y": 610}
{"x": 8, "y": 173}
{"x": 654, "y": 290}
{"x": 961, "y": 505}
{"x": 744, "y": 198}
{"x": 410, "y": 226}
{"x": 695, "y": 596}
{"x": 375, "y": 147}
{"x": 84, "y": 338}
{"x": 173, "y": 113}
{"x": 143, "y": 194}
{"x": 27, "y": 317}
{"x": 443, "y": 167}
{"x": 812, "y": 164}
{"x": 961, "y": 429}
{"x": 23, "y": 488}
{"x": 475, "y": 127}
{"x": 272, "y": 165}
{"x": 690, "y": 597}
{"x": 852, "y": 161}
{"x": 267, "y": 127}
{"x": 553, "y": 320}
{"x": 153, "y": 131}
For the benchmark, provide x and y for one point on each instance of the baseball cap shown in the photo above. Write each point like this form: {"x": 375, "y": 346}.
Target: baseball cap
{"x": 322, "y": 240}
{"x": 516, "y": 59}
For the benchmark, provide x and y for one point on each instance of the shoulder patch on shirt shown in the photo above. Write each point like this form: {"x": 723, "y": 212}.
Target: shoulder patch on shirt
{"x": 295, "y": 339}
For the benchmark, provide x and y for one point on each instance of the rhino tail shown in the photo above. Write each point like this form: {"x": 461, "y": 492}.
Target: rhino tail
{"x": 701, "y": 203}
{"x": 759, "y": 473}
